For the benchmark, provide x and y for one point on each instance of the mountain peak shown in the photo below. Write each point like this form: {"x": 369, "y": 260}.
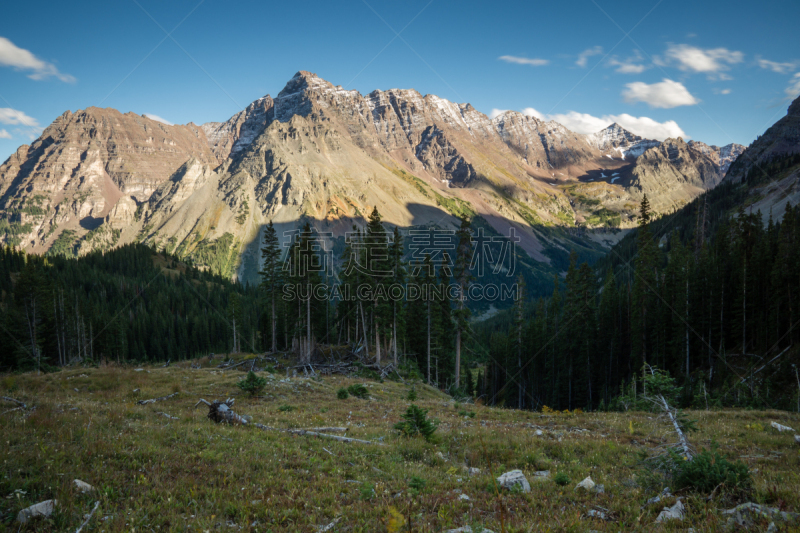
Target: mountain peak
{"x": 794, "y": 107}
{"x": 300, "y": 82}
{"x": 304, "y": 74}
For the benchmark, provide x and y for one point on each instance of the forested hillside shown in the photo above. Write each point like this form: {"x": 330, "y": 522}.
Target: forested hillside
{"x": 709, "y": 293}
{"x": 127, "y": 304}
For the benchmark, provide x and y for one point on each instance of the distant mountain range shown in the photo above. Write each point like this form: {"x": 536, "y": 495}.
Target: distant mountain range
{"x": 316, "y": 152}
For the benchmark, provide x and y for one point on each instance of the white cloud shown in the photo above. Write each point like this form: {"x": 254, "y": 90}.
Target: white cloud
{"x": 4, "y": 134}
{"x": 496, "y": 113}
{"x": 721, "y": 91}
{"x": 531, "y": 112}
{"x": 793, "y": 90}
{"x": 13, "y": 56}
{"x": 665, "y": 94}
{"x": 780, "y": 68}
{"x": 649, "y": 128}
{"x": 534, "y": 62}
{"x": 627, "y": 68}
{"x": 709, "y": 61}
{"x": 14, "y": 117}
{"x": 158, "y": 119}
{"x": 586, "y": 123}
{"x": 631, "y": 65}
{"x": 583, "y": 57}
{"x": 574, "y": 121}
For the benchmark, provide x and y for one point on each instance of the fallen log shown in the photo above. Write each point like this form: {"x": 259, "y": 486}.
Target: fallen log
{"x": 89, "y": 517}
{"x": 12, "y": 400}
{"x": 327, "y": 430}
{"x": 219, "y": 411}
{"x": 334, "y": 437}
{"x": 154, "y": 400}
{"x": 167, "y": 415}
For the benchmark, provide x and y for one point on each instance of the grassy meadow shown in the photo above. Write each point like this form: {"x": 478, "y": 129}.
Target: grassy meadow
{"x": 155, "y": 473}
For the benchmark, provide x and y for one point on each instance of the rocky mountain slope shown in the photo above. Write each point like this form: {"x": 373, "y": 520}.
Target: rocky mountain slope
{"x": 318, "y": 152}
{"x": 770, "y": 168}
{"x": 780, "y": 140}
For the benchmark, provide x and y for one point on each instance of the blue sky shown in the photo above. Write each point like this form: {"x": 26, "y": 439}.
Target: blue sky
{"x": 719, "y": 72}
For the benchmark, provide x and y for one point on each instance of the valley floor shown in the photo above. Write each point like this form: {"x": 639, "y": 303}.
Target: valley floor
{"x": 156, "y": 473}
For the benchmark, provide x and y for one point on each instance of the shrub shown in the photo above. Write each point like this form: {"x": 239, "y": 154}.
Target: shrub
{"x": 561, "y": 479}
{"x": 359, "y": 391}
{"x": 367, "y": 491}
{"x": 412, "y": 395}
{"x": 416, "y": 485}
{"x": 470, "y": 414}
{"x": 285, "y": 408}
{"x": 342, "y": 394}
{"x": 708, "y": 470}
{"x": 415, "y": 421}
{"x": 252, "y": 384}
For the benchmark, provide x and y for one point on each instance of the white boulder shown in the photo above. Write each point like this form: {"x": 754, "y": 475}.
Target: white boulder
{"x": 44, "y": 508}
{"x": 514, "y": 478}
{"x": 82, "y": 486}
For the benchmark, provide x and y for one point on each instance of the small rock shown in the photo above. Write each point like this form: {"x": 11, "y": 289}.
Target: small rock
{"x": 44, "y": 508}
{"x": 655, "y": 499}
{"x": 82, "y": 486}
{"x": 780, "y": 427}
{"x": 540, "y": 476}
{"x": 594, "y": 513}
{"x": 138, "y": 369}
{"x": 587, "y": 484}
{"x": 467, "y": 529}
{"x": 440, "y": 456}
{"x": 464, "y": 497}
{"x": 539, "y": 433}
{"x": 676, "y": 512}
{"x": 599, "y": 489}
{"x": 513, "y": 478}
{"x": 470, "y": 470}
{"x": 797, "y": 439}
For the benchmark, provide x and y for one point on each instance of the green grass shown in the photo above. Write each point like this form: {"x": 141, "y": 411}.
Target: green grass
{"x": 158, "y": 474}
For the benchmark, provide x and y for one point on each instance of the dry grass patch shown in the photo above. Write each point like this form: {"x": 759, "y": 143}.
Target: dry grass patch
{"x": 157, "y": 474}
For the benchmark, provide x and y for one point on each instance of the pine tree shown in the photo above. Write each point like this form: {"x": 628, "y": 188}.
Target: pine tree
{"x": 380, "y": 276}
{"x": 463, "y": 277}
{"x": 644, "y": 285}
{"x": 518, "y": 332}
{"x": 398, "y": 280}
{"x": 272, "y": 277}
